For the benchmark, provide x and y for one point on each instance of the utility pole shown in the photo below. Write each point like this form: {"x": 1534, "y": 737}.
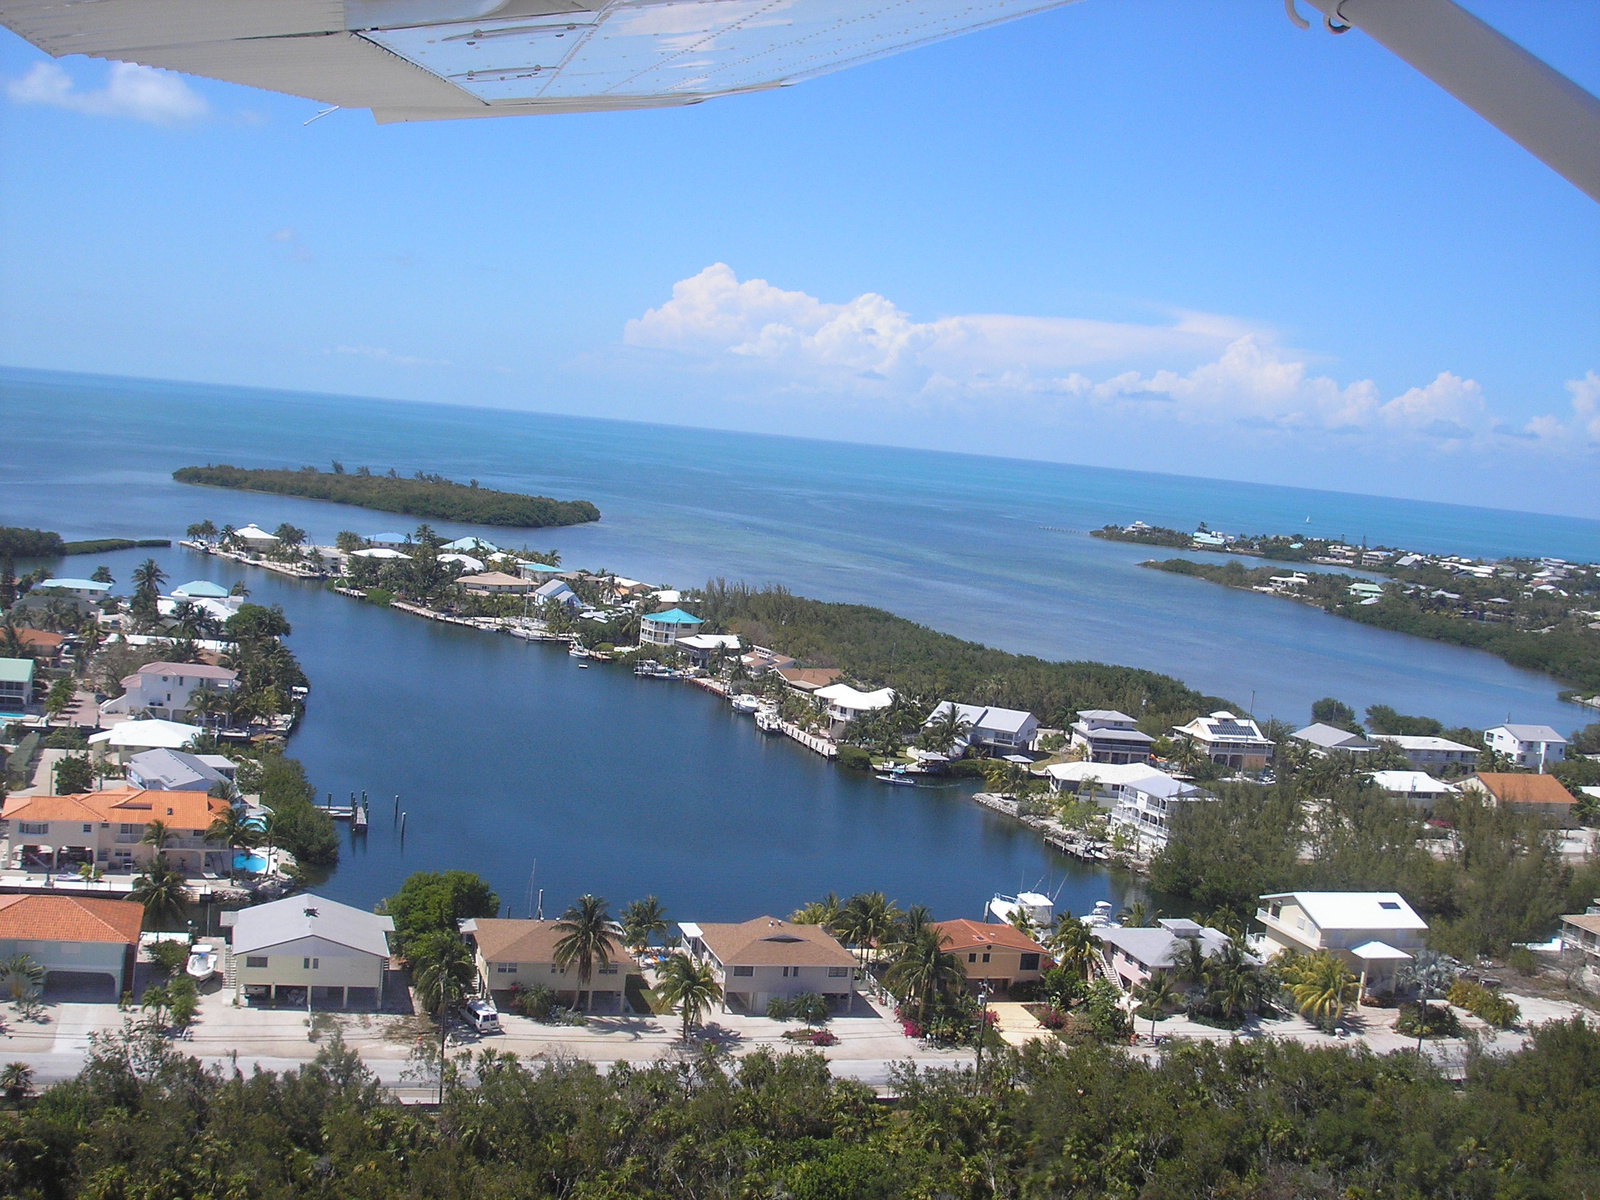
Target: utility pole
{"x": 983, "y": 1030}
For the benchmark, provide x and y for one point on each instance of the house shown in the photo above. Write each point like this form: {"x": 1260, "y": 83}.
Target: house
{"x": 466, "y": 562}
{"x": 255, "y": 538}
{"x": 1328, "y": 739}
{"x": 16, "y": 683}
{"x": 1541, "y": 794}
{"x": 846, "y": 704}
{"x": 470, "y": 545}
{"x": 1581, "y": 931}
{"x": 41, "y": 645}
{"x": 81, "y": 595}
{"x": 1108, "y": 736}
{"x": 701, "y": 646}
{"x": 994, "y": 954}
{"x": 760, "y": 660}
{"x": 1008, "y": 730}
{"x": 1428, "y": 753}
{"x": 1530, "y": 746}
{"x": 380, "y": 554}
{"x": 1099, "y": 782}
{"x": 1145, "y": 805}
{"x": 107, "y": 829}
{"x": 805, "y": 679}
{"x": 520, "y": 953}
{"x": 204, "y": 589}
{"x": 758, "y": 960}
{"x": 309, "y": 951}
{"x": 665, "y": 628}
{"x": 1417, "y": 788}
{"x": 179, "y": 771}
{"x": 1371, "y": 932}
{"x": 166, "y": 690}
{"x": 537, "y": 570}
{"x": 389, "y": 540}
{"x": 81, "y": 942}
{"x": 496, "y": 583}
{"x": 1229, "y": 740}
{"x": 556, "y": 591}
{"x": 122, "y": 741}
{"x": 1137, "y": 955}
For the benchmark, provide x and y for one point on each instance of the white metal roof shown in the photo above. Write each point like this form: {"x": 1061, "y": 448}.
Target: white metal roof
{"x": 844, "y": 696}
{"x": 170, "y": 735}
{"x": 304, "y": 916}
{"x": 1410, "y": 781}
{"x": 1415, "y": 742}
{"x": 1355, "y": 910}
{"x": 1532, "y": 733}
{"x": 1379, "y": 952}
{"x": 1110, "y": 774}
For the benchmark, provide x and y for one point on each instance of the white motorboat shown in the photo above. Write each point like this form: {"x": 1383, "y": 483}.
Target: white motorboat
{"x": 745, "y": 703}
{"x": 577, "y": 651}
{"x": 202, "y": 963}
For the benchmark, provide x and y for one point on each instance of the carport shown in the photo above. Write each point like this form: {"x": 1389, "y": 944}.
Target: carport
{"x": 83, "y": 987}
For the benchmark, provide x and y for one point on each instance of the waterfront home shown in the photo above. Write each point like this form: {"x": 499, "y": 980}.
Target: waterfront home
{"x": 556, "y": 591}
{"x": 1137, "y": 955}
{"x": 389, "y": 541}
{"x": 310, "y": 952}
{"x": 522, "y": 953}
{"x": 846, "y": 704}
{"x": 760, "y": 660}
{"x": 468, "y": 564}
{"x": 1530, "y": 746}
{"x": 1427, "y": 753}
{"x": 470, "y": 545}
{"x": 86, "y": 945}
{"x": 1228, "y": 740}
{"x": 1416, "y": 788}
{"x": 254, "y": 537}
{"x": 380, "y": 554}
{"x": 16, "y": 683}
{"x": 1328, "y": 739}
{"x": 1367, "y": 591}
{"x": 993, "y": 955}
{"x": 496, "y": 583}
{"x": 1540, "y": 794}
{"x": 1581, "y": 931}
{"x": 538, "y": 571}
{"x": 665, "y": 628}
{"x": 1007, "y": 730}
{"x": 204, "y": 589}
{"x": 806, "y": 679}
{"x": 83, "y": 596}
{"x": 757, "y": 961}
{"x": 107, "y": 829}
{"x": 122, "y": 741}
{"x": 166, "y": 690}
{"x": 1097, "y": 781}
{"x": 1371, "y": 932}
{"x": 179, "y": 771}
{"x": 1108, "y": 736}
{"x": 701, "y": 646}
{"x": 1145, "y": 805}
{"x": 221, "y": 611}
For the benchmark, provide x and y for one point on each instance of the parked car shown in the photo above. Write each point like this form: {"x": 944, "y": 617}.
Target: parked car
{"x": 482, "y": 1017}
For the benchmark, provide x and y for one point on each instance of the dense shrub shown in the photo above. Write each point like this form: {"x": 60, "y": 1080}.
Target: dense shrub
{"x": 1485, "y": 1004}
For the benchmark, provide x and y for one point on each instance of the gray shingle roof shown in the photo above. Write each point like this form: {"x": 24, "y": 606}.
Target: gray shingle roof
{"x": 297, "y": 917}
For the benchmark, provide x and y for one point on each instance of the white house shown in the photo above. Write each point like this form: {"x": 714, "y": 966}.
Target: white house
{"x": 1427, "y": 753}
{"x": 1004, "y": 729}
{"x": 179, "y": 771}
{"x": 309, "y": 951}
{"x": 465, "y": 561}
{"x": 1326, "y": 739}
{"x": 845, "y": 703}
{"x": 665, "y": 628}
{"x": 758, "y": 960}
{"x": 1099, "y": 782}
{"x": 701, "y": 646}
{"x": 166, "y": 690}
{"x": 255, "y": 537}
{"x": 127, "y": 738}
{"x": 470, "y": 545}
{"x": 558, "y": 591}
{"x": 1372, "y": 932}
{"x": 380, "y": 553}
{"x": 16, "y": 682}
{"x": 81, "y": 595}
{"x": 1109, "y": 736}
{"x": 1145, "y": 805}
{"x": 1229, "y": 740}
{"x": 1417, "y": 788}
{"x": 389, "y": 541}
{"x": 1530, "y": 746}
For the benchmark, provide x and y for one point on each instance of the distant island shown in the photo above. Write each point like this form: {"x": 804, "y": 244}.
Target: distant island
{"x": 1281, "y": 547}
{"x": 420, "y": 495}
{"x": 41, "y": 543}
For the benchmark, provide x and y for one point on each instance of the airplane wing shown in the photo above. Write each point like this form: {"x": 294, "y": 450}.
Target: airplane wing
{"x": 420, "y": 60}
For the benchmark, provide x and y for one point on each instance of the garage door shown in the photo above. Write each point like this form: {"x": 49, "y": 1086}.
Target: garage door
{"x": 91, "y": 986}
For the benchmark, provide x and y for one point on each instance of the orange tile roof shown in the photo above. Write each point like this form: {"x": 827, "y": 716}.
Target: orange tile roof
{"x": 40, "y": 637}
{"x": 969, "y": 935}
{"x": 180, "y": 810}
{"x": 1512, "y": 788}
{"x": 70, "y": 919}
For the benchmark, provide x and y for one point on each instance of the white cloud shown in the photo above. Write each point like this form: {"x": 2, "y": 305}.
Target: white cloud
{"x": 1586, "y": 404}
{"x": 380, "y": 355}
{"x": 140, "y": 93}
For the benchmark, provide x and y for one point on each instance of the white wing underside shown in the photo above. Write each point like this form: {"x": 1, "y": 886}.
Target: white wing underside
{"x": 419, "y": 60}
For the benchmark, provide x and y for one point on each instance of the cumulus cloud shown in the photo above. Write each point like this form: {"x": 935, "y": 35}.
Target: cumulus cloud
{"x": 1586, "y": 405}
{"x": 139, "y": 93}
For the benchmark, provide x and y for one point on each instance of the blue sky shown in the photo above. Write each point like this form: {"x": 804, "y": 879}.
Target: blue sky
{"x": 1124, "y": 233}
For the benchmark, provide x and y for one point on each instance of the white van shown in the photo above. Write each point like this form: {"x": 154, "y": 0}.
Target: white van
{"x": 481, "y": 1015}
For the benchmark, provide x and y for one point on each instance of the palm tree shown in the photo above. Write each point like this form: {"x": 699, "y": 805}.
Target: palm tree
{"x": 588, "y": 936}
{"x": 643, "y": 920}
{"x": 162, "y": 892}
{"x": 156, "y": 834}
{"x": 1324, "y": 988}
{"x": 16, "y": 1081}
{"x": 822, "y": 912}
{"x": 1191, "y": 962}
{"x": 868, "y": 921}
{"x": 1073, "y": 943}
{"x": 690, "y": 987}
{"x": 148, "y": 577}
{"x": 1137, "y": 916}
{"x": 1156, "y": 994}
{"x": 20, "y": 978}
{"x": 946, "y": 728}
{"x": 231, "y": 828}
{"x": 444, "y": 972}
{"x": 925, "y": 970}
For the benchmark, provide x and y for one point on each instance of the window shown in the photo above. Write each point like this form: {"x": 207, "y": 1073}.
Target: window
{"x": 256, "y": 961}
{"x": 745, "y": 972}
{"x": 128, "y": 827}
{"x": 986, "y": 956}
{"x": 1389, "y": 904}
{"x": 1030, "y": 962}
{"x": 88, "y": 828}
{"x": 311, "y": 964}
{"x": 37, "y": 827}
{"x": 973, "y": 957}
{"x": 609, "y": 969}
{"x": 838, "y": 972}
{"x": 505, "y": 968}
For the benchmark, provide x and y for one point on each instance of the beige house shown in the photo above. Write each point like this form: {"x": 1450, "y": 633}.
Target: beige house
{"x": 522, "y": 954}
{"x": 1228, "y": 740}
{"x": 1542, "y": 795}
{"x": 760, "y": 960}
{"x": 309, "y": 952}
{"x": 1372, "y": 932}
{"x": 496, "y": 583}
{"x": 107, "y": 829}
{"x": 996, "y": 954}
{"x": 82, "y": 942}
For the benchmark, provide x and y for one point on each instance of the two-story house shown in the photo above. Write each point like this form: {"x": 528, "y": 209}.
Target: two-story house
{"x": 756, "y": 961}
{"x": 310, "y": 952}
{"x": 1145, "y": 805}
{"x": 846, "y": 704}
{"x": 108, "y": 828}
{"x": 83, "y": 596}
{"x": 166, "y": 690}
{"x": 1324, "y": 740}
{"x": 993, "y": 954}
{"x": 1229, "y": 740}
{"x": 1371, "y": 932}
{"x": 665, "y": 628}
{"x": 1431, "y": 753}
{"x": 522, "y": 954}
{"x": 1108, "y": 736}
{"x": 1530, "y": 746}
{"x": 1000, "y": 730}
{"x": 1136, "y": 955}
{"x": 16, "y": 684}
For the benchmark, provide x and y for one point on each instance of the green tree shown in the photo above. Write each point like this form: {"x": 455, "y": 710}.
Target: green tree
{"x": 643, "y": 920}
{"x": 162, "y": 892}
{"x": 1322, "y": 987}
{"x": 689, "y": 987}
{"x": 21, "y": 978}
{"x": 16, "y": 1082}
{"x": 588, "y": 936}
{"x": 74, "y": 775}
{"x": 438, "y": 901}
{"x": 925, "y": 971}
{"x": 232, "y": 829}
{"x": 61, "y": 695}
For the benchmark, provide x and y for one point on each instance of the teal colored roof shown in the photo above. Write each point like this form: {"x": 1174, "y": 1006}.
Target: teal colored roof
{"x": 202, "y": 587}
{"x": 674, "y": 616}
{"x": 387, "y": 537}
{"x": 16, "y": 670}
{"x": 81, "y": 585}
{"x": 523, "y": 565}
